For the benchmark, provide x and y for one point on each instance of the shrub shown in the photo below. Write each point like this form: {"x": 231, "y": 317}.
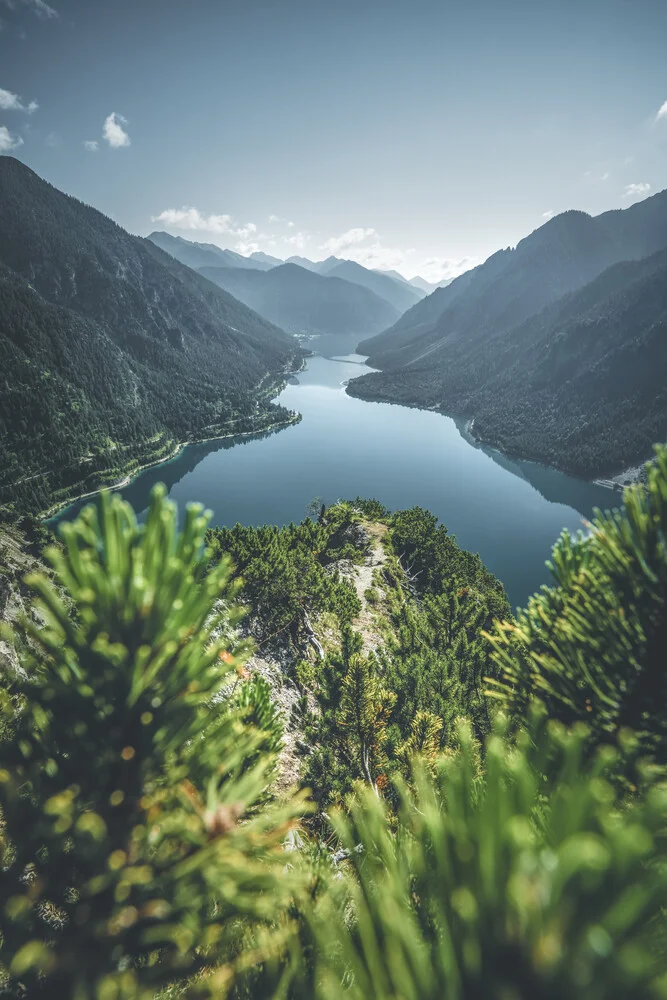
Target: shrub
{"x": 134, "y": 851}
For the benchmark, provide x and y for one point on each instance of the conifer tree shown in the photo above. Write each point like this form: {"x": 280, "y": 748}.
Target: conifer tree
{"x": 496, "y": 884}
{"x": 135, "y": 848}
{"x": 365, "y": 707}
{"x": 593, "y": 647}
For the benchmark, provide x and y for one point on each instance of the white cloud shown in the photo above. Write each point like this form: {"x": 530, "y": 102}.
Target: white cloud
{"x": 662, "y": 112}
{"x": 39, "y": 7}
{"x": 338, "y": 244}
{"x": 299, "y": 240}
{"x": 113, "y": 131}
{"x": 246, "y": 247}
{"x": 278, "y": 218}
{"x": 245, "y": 231}
{"x": 548, "y": 215}
{"x": 92, "y": 145}
{"x": 636, "y": 190}
{"x": 53, "y": 140}
{"x": 355, "y": 245}
{"x": 191, "y": 218}
{"x": 605, "y": 176}
{"x": 442, "y": 268}
{"x": 8, "y": 141}
{"x": 12, "y": 102}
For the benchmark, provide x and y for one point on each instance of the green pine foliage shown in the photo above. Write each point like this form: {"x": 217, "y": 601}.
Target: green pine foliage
{"x": 498, "y": 886}
{"x": 593, "y": 646}
{"x": 474, "y": 853}
{"x": 287, "y": 572}
{"x": 135, "y": 846}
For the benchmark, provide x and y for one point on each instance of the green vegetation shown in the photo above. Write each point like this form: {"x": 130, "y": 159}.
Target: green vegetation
{"x": 289, "y": 573}
{"x": 592, "y": 648}
{"x": 132, "y": 843}
{"x": 112, "y": 353}
{"x": 511, "y": 847}
{"x": 555, "y": 347}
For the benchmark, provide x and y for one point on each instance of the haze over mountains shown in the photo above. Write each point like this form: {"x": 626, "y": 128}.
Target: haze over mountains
{"x": 109, "y": 347}
{"x": 303, "y": 301}
{"x": 534, "y": 342}
{"x": 389, "y": 285}
{"x": 196, "y": 255}
{"x": 331, "y": 296}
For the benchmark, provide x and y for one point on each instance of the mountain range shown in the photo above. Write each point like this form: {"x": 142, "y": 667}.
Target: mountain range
{"x": 196, "y": 255}
{"x": 400, "y": 293}
{"x": 555, "y": 348}
{"x": 114, "y": 348}
{"x": 111, "y": 351}
{"x": 303, "y": 301}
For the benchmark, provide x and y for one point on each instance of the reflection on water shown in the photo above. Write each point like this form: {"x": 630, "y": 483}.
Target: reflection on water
{"x": 509, "y": 511}
{"x": 170, "y": 473}
{"x": 555, "y": 486}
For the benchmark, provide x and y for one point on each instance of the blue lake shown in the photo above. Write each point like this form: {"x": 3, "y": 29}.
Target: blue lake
{"x": 509, "y": 511}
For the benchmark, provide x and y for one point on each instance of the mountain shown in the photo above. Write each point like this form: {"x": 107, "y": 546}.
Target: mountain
{"x": 305, "y": 302}
{"x": 561, "y": 256}
{"x": 389, "y": 285}
{"x": 327, "y": 265}
{"x": 557, "y": 354}
{"x": 310, "y": 265}
{"x": 585, "y": 381}
{"x": 265, "y": 260}
{"x": 393, "y": 274}
{"x": 196, "y": 255}
{"x": 418, "y": 321}
{"x": 429, "y": 286}
{"x": 110, "y": 349}
{"x": 400, "y": 296}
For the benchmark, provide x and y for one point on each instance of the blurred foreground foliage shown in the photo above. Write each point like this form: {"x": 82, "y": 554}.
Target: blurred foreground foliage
{"x": 143, "y": 853}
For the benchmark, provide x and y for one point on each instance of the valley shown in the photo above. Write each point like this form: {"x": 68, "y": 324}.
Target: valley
{"x": 509, "y": 512}
{"x": 333, "y": 500}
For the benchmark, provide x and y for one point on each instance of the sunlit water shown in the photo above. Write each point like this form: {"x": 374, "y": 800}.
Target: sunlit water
{"x": 509, "y": 511}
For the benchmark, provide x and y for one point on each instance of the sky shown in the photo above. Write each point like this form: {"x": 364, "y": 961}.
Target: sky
{"x": 420, "y": 135}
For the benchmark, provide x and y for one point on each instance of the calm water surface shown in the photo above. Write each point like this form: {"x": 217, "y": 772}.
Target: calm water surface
{"x": 509, "y": 511}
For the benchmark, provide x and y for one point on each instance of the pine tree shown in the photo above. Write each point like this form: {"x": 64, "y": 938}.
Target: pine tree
{"x": 135, "y": 848}
{"x": 361, "y": 721}
{"x": 593, "y": 646}
{"x": 423, "y": 741}
{"x": 496, "y": 884}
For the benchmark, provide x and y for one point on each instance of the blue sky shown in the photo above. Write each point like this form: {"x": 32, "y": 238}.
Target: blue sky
{"x": 419, "y": 135}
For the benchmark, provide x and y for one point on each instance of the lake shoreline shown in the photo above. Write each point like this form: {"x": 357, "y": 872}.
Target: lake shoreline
{"x": 177, "y": 451}
{"x": 616, "y": 483}
{"x": 508, "y": 512}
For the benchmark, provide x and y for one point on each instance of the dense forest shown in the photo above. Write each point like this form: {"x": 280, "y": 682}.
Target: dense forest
{"x": 486, "y": 814}
{"x": 555, "y": 348}
{"x": 429, "y": 600}
{"x": 112, "y": 352}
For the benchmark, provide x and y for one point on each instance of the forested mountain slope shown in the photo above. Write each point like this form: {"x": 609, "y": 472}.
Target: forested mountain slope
{"x": 564, "y": 254}
{"x": 302, "y": 301}
{"x": 551, "y": 366}
{"x": 111, "y": 349}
